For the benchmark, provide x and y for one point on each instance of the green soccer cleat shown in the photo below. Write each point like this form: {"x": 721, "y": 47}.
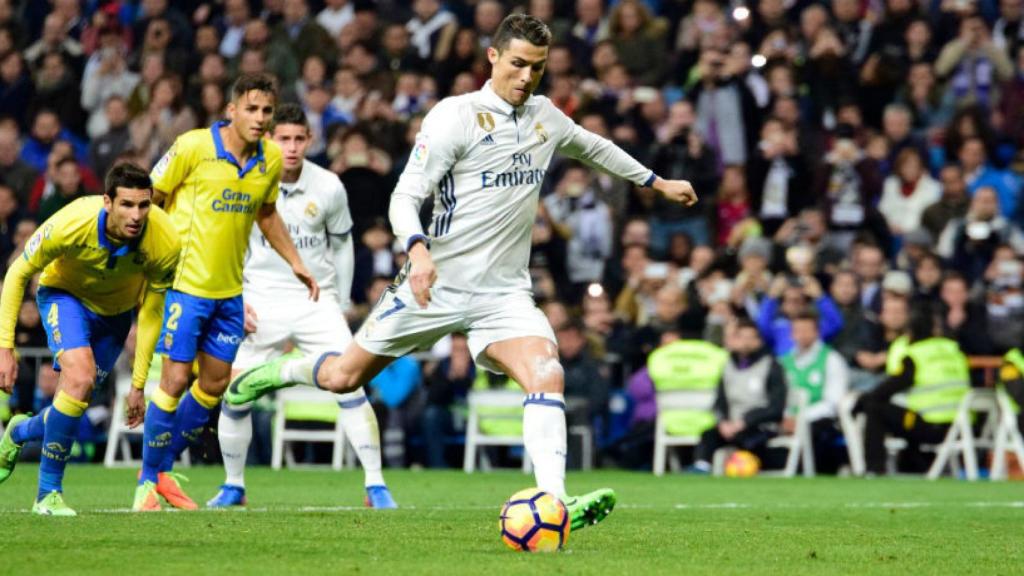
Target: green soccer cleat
{"x": 256, "y": 382}
{"x": 53, "y": 505}
{"x": 9, "y": 451}
{"x": 146, "y": 499}
{"x": 590, "y": 508}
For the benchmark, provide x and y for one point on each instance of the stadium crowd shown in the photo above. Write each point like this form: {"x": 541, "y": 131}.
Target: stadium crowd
{"x": 855, "y": 160}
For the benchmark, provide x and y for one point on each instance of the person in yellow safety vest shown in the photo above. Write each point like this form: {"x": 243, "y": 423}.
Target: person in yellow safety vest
{"x": 935, "y": 375}
{"x": 686, "y": 363}
{"x": 750, "y": 401}
{"x": 822, "y": 373}
{"x": 1011, "y": 377}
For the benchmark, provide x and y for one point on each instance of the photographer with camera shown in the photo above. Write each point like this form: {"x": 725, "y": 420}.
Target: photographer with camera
{"x": 969, "y": 243}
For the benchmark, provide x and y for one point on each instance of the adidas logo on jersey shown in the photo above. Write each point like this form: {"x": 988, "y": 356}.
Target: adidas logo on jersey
{"x": 488, "y": 140}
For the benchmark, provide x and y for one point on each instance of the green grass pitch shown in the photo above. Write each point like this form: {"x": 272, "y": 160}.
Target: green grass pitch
{"x": 311, "y": 522}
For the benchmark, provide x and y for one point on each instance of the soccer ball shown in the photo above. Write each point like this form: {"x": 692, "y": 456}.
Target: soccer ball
{"x": 742, "y": 464}
{"x": 534, "y": 521}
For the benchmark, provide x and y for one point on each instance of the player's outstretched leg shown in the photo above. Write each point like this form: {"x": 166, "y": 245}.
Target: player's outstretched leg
{"x": 192, "y": 415}
{"x": 60, "y": 426}
{"x": 20, "y": 429}
{"x": 361, "y": 429}
{"x": 234, "y": 432}
{"x": 284, "y": 371}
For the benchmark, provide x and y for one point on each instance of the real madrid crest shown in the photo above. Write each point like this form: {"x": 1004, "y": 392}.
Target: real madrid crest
{"x": 542, "y": 134}
{"x": 485, "y": 120}
{"x": 312, "y": 210}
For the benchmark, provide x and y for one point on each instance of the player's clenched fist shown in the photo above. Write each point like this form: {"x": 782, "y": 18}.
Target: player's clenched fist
{"x": 422, "y": 275}
{"x": 8, "y": 369}
{"x": 677, "y": 191}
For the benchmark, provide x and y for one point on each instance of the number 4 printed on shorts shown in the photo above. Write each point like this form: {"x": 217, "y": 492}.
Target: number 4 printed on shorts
{"x": 398, "y": 305}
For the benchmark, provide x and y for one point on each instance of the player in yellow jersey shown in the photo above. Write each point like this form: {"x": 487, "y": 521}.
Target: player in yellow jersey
{"x": 214, "y": 183}
{"x": 97, "y": 255}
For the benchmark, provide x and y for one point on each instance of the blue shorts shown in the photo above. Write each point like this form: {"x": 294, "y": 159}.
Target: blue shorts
{"x": 69, "y": 325}
{"x": 192, "y": 323}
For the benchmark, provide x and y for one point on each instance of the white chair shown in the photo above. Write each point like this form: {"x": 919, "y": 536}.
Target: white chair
{"x": 960, "y": 437}
{"x": 475, "y": 438}
{"x": 672, "y": 400}
{"x": 799, "y": 444}
{"x": 1007, "y": 436}
{"x": 119, "y": 448}
{"x": 307, "y": 405}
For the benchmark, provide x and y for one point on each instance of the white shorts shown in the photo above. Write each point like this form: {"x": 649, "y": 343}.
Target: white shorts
{"x": 314, "y": 327}
{"x": 397, "y": 325}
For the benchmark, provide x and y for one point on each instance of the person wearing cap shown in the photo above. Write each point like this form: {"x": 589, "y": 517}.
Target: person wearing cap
{"x": 935, "y": 376}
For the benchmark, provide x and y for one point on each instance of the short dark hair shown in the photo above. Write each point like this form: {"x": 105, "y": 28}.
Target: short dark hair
{"x": 923, "y": 322}
{"x": 521, "y": 27}
{"x": 290, "y": 113}
{"x": 126, "y": 175}
{"x": 807, "y": 315}
{"x": 746, "y": 323}
{"x": 248, "y": 82}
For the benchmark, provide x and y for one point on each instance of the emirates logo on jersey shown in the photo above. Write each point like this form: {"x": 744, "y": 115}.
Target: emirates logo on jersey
{"x": 485, "y": 120}
{"x": 312, "y": 210}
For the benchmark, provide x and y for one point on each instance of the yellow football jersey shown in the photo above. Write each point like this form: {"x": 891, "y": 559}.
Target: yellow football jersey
{"x": 75, "y": 255}
{"x": 213, "y": 202}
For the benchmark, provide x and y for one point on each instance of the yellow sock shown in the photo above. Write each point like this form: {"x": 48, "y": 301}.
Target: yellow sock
{"x": 164, "y": 401}
{"x": 205, "y": 400}
{"x": 68, "y": 406}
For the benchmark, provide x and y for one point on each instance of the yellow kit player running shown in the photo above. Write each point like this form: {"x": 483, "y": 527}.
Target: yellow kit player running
{"x": 96, "y": 255}
{"x": 214, "y": 183}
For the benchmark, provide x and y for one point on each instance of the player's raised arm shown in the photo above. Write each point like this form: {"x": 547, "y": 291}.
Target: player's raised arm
{"x": 438, "y": 145}
{"x": 604, "y": 155}
{"x": 276, "y": 233}
{"x": 43, "y": 247}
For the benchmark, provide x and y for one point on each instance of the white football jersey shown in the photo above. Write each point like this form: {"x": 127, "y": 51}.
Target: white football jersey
{"x": 484, "y": 161}
{"x": 314, "y": 208}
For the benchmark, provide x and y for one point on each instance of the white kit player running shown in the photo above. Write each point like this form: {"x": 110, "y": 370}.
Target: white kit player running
{"x": 314, "y": 206}
{"x": 483, "y": 156}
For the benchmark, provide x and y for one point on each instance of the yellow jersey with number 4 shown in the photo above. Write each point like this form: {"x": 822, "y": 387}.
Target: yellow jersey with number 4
{"x": 75, "y": 254}
{"x": 213, "y": 201}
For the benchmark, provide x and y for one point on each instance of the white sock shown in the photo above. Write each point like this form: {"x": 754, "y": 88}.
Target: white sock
{"x": 545, "y": 439}
{"x": 360, "y": 424}
{"x": 234, "y": 430}
{"x": 300, "y": 370}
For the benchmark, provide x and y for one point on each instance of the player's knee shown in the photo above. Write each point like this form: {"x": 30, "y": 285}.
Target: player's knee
{"x": 545, "y": 375}
{"x": 340, "y": 382}
{"x": 79, "y": 382}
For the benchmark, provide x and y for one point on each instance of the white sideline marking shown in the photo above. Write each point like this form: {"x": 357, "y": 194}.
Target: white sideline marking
{"x": 495, "y": 509}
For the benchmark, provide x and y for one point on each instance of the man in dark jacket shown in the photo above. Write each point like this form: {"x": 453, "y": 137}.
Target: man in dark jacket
{"x": 751, "y": 398}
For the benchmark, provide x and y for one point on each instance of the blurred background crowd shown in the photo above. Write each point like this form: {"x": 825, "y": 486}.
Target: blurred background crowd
{"x": 854, "y": 158}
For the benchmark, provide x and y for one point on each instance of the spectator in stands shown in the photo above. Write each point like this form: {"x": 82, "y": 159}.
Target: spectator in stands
{"x": 1004, "y": 300}
{"x": 232, "y": 27}
{"x": 845, "y": 292}
{"x": 927, "y": 278}
{"x": 754, "y": 278}
{"x": 585, "y": 378}
{"x": 963, "y": 320}
{"x": 54, "y": 40}
{"x": 969, "y": 242}
{"x": 14, "y": 171}
{"x": 952, "y": 205}
{"x": 935, "y": 376}
{"x": 750, "y": 401}
{"x": 908, "y": 192}
{"x": 787, "y": 298}
{"x": 869, "y": 265}
{"x": 16, "y": 87}
{"x": 335, "y": 15}
{"x": 276, "y": 56}
{"x": 10, "y": 215}
{"x": 849, "y": 186}
{"x": 980, "y": 174}
{"x": 726, "y": 116}
{"x": 683, "y": 155}
{"x": 448, "y": 382}
{"x": 972, "y": 64}
{"x": 432, "y": 30}
{"x": 68, "y": 189}
{"x": 397, "y": 54}
{"x": 777, "y": 176}
{"x": 56, "y": 89}
{"x": 45, "y": 185}
{"x": 105, "y": 148}
{"x": 303, "y": 34}
{"x": 153, "y": 131}
{"x": 106, "y": 75}
{"x": 636, "y": 35}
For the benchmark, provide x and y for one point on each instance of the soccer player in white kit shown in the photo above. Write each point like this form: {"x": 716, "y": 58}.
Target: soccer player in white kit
{"x": 483, "y": 156}
{"x": 314, "y": 206}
